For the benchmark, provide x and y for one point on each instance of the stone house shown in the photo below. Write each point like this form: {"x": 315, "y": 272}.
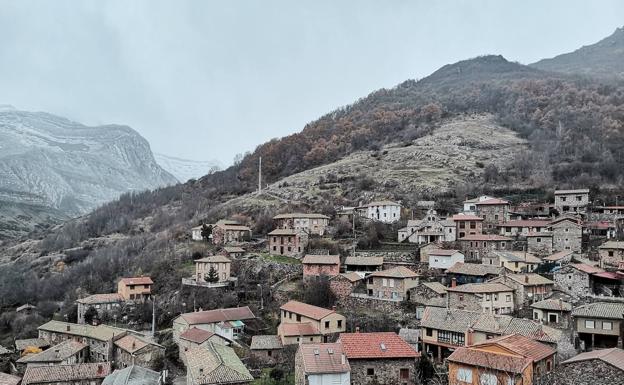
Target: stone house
{"x": 393, "y": 284}
{"x": 102, "y": 303}
{"x": 135, "y": 289}
{"x": 315, "y": 266}
{"x": 68, "y": 352}
{"x": 298, "y": 333}
{"x": 431, "y": 229}
{"x": 233, "y": 251}
{"x": 228, "y": 323}
{"x": 310, "y": 223}
{"x": 467, "y": 224}
{"x": 611, "y": 253}
{"x": 322, "y": 364}
{"x": 131, "y": 350}
{"x": 266, "y": 347}
{"x": 215, "y": 364}
{"x": 599, "y": 324}
{"x": 559, "y": 258}
{"x": 571, "y": 201}
{"x": 567, "y": 234}
{"x": 324, "y": 322}
{"x": 380, "y": 358}
{"x": 99, "y": 338}
{"x": 226, "y": 232}
{"x": 77, "y": 374}
{"x": 511, "y": 359}
{"x": 554, "y": 312}
{"x": 528, "y": 287}
{"x": 443, "y": 258}
{"x": 586, "y": 368}
{"x": 540, "y": 243}
{"x": 342, "y": 285}
{"x": 475, "y": 247}
{"x": 576, "y": 279}
{"x": 9, "y": 379}
{"x": 427, "y": 294}
{"x": 487, "y": 297}
{"x": 515, "y": 261}
{"x": 472, "y": 273}
{"x": 287, "y": 242}
{"x": 494, "y": 211}
{"x": 381, "y": 211}
{"x": 195, "y": 337}
{"x": 22, "y": 345}
{"x": 135, "y": 375}
{"x": 220, "y": 264}
{"x": 363, "y": 264}
{"x": 470, "y": 205}
{"x": 523, "y": 227}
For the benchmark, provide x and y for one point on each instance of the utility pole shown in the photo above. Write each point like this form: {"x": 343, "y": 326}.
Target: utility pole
{"x": 260, "y": 176}
{"x": 153, "y": 316}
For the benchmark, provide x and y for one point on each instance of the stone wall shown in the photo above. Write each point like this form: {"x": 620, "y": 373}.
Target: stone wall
{"x": 586, "y": 373}
{"x": 385, "y": 371}
{"x": 380, "y": 305}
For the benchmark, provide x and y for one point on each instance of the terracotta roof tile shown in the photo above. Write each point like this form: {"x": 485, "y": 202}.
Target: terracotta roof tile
{"x": 310, "y": 259}
{"x": 8, "y": 379}
{"x": 474, "y": 269}
{"x": 395, "y": 272}
{"x": 137, "y": 281}
{"x": 215, "y": 364}
{"x": 310, "y": 311}
{"x": 486, "y": 287}
{"x": 521, "y": 345}
{"x": 485, "y": 237}
{"x": 196, "y": 335}
{"x": 218, "y": 315}
{"x": 297, "y": 329}
{"x": 323, "y": 358}
{"x": 376, "y": 345}
{"x": 214, "y": 259}
{"x": 444, "y": 252}
{"x": 66, "y": 373}
{"x": 489, "y": 360}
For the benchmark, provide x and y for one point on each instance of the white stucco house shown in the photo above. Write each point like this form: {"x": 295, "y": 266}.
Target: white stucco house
{"x": 470, "y": 205}
{"x": 444, "y": 259}
{"x": 382, "y": 211}
{"x": 196, "y": 233}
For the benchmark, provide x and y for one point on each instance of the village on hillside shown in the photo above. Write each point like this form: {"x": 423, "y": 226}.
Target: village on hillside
{"x": 494, "y": 293}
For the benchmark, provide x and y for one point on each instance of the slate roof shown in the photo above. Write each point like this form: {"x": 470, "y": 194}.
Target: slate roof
{"x": 614, "y": 357}
{"x": 297, "y": 329}
{"x": 381, "y": 203}
{"x": 448, "y": 319}
{"x": 492, "y": 202}
{"x": 56, "y": 353}
{"x": 395, "y": 272}
{"x": 517, "y": 256}
{"x": 266, "y": 342}
{"x": 606, "y": 310}
{"x": 284, "y": 232}
{"x": 9, "y": 379}
{"x": 525, "y": 223}
{"x": 132, "y": 375}
{"x": 215, "y": 364}
{"x": 218, "y": 315}
{"x": 233, "y": 249}
{"x": 214, "y": 259}
{"x": 530, "y": 279}
{"x": 612, "y": 245}
{"x": 436, "y": 286}
{"x": 444, "y": 252}
{"x": 310, "y": 311}
{"x": 579, "y": 191}
{"x": 474, "y": 269}
{"x": 376, "y": 346}
{"x": 131, "y": 343}
{"x": 484, "y": 237}
{"x": 137, "y": 281}
{"x": 20, "y": 345}
{"x": 323, "y": 358}
{"x": 484, "y": 359}
{"x": 101, "y": 298}
{"x": 65, "y": 373}
{"x": 558, "y": 255}
{"x": 100, "y": 332}
{"x": 364, "y": 261}
{"x": 552, "y": 304}
{"x": 486, "y": 287}
{"x": 310, "y": 259}
{"x": 352, "y": 277}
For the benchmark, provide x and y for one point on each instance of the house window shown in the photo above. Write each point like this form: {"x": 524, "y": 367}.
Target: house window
{"x": 488, "y": 379}
{"x": 298, "y": 318}
{"x": 553, "y": 318}
{"x": 610, "y": 253}
{"x": 535, "y": 315}
{"x": 508, "y": 298}
{"x": 607, "y": 326}
{"x": 589, "y": 324}
{"x": 391, "y": 282}
{"x": 538, "y": 240}
{"x": 404, "y": 373}
{"x": 339, "y": 323}
{"x": 370, "y": 371}
{"x": 473, "y": 225}
{"x": 548, "y": 366}
{"x": 384, "y": 282}
{"x": 563, "y": 199}
{"x": 269, "y": 353}
{"x": 464, "y": 375}
{"x": 488, "y": 297}
{"x": 429, "y": 332}
{"x": 326, "y": 324}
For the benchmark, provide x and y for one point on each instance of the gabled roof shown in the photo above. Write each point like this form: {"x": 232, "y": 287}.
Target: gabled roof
{"x": 9, "y": 379}
{"x": 311, "y": 259}
{"x": 352, "y": 277}
{"x": 137, "y": 281}
{"x": 474, "y": 269}
{"x": 323, "y": 358}
{"x": 521, "y": 345}
{"x": 444, "y": 252}
{"x": 559, "y": 255}
{"x": 310, "y": 311}
{"x": 574, "y": 220}
{"x": 301, "y": 215}
{"x": 490, "y": 360}
{"x": 466, "y": 217}
{"x": 234, "y": 227}
{"x": 364, "y": 261}
{"x": 478, "y": 288}
{"x": 132, "y": 344}
{"x": 218, "y": 315}
{"x": 215, "y": 364}
{"x": 133, "y": 375}
{"x": 606, "y": 310}
{"x": 214, "y": 259}
{"x": 492, "y": 202}
{"x": 552, "y": 304}
{"x": 375, "y": 346}
{"x": 65, "y": 373}
{"x": 196, "y": 335}
{"x": 101, "y": 298}
{"x": 435, "y": 286}
{"x": 612, "y": 245}
{"x": 381, "y": 203}
{"x": 484, "y": 237}
{"x": 266, "y": 342}
{"x": 297, "y": 329}
{"x": 613, "y": 357}
{"x": 525, "y": 223}
{"x": 517, "y": 256}
{"x": 453, "y": 320}
{"x": 585, "y": 268}
{"x": 530, "y": 279}
{"x": 233, "y": 249}
{"x": 55, "y": 354}
{"x": 578, "y": 191}
{"x": 396, "y": 272}
{"x": 100, "y": 332}
{"x": 284, "y": 232}
{"x": 31, "y": 342}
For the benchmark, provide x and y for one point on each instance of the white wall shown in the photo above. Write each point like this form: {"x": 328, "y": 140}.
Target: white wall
{"x": 330, "y": 379}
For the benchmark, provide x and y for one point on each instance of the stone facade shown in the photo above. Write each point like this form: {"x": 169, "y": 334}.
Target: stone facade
{"x": 475, "y": 249}
{"x": 573, "y": 281}
{"x": 571, "y": 201}
{"x": 287, "y": 242}
{"x": 383, "y": 371}
{"x": 389, "y": 288}
{"x": 342, "y": 286}
{"x": 587, "y": 373}
{"x": 493, "y": 215}
{"x": 567, "y": 235}
{"x": 147, "y": 357}
{"x": 225, "y": 233}
{"x": 540, "y": 244}
{"x": 99, "y": 350}
{"x": 495, "y": 303}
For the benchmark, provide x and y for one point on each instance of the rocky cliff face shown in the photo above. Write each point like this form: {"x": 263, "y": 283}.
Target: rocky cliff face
{"x": 184, "y": 169}
{"x": 64, "y": 168}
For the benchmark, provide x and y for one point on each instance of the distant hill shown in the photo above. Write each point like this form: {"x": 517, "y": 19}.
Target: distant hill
{"x": 51, "y": 167}
{"x": 184, "y": 169}
{"x": 603, "y": 59}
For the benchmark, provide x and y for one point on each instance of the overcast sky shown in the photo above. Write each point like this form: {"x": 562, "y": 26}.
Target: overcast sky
{"x": 209, "y": 79}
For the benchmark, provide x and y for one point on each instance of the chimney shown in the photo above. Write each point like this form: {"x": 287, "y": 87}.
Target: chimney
{"x": 68, "y": 327}
{"x": 334, "y": 308}
{"x": 133, "y": 345}
{"x": 454, "y": 282}
{"x": 526, "y": 278}
{"x": 357, "y": 329}
{"x": 469, "y": 337}
{"x": 100, "y": 369}
{"x": 343, "y": 359}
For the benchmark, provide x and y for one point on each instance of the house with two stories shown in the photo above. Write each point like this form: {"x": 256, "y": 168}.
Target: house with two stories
{"x": 316, "y": 266}
{"x": 431, "y": 229}
{"x": 494, "y": 212}
{"x": 467, "y": 224}
{"x": 567, "y": 234}
{"x": 227, "y": 232}
{"x": 361, "y": 264}
{"x": 214, "y": 269}
{"x": 68, "y": 352}
{"x": 476, "y": 247}
{"x": 132, "y": 349}
{"x": 135, "y": 288}
{"x": 266, "y": 347}
{"x": 287, "y": 242}
{"x": 553, "y": 312}
{"x": 605, "y": 365}
{"x": 102, "y": 303}
{"x": 309, "y": 223}
{"x": 576, "y": 279}
{"x": 75, "y": 374}
{"x": 381, "y": 211}
{"x": 215, "y": 364}
{"x": 523, "y": 227}
{"x": 599, "y": 324}
{"x": 528, "y": 287}
{"x": 515, "y": 261}
{"x": 228, "y": 323}
{"x": 322, "y": 364}
{"x": 301, "y": 322}
{"x": 611, "y": 253}
{"x": 444, "y": 258}
{"x": 571, "y": 201}
{"x": 195, "y": 337}
{"x": 392, "y": 284}
{"x": 463, "y": 273}
{"x": 342, "y": 285}
{"x": 488, "y": 297}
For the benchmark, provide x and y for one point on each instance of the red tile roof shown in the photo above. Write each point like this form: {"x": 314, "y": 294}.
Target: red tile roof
{"x": 497, "y": 361}
{"x": 608, "y": 275}
{"x": 484, "y": 237}
{"x": 466, "y": 217}
{"x": 218, "y": 315}
{"x": 395, "y": 272}
{"x": 376, "y": 345}
{"x": 137, "y": 281}
{"x": 586, "y": 268}
{"x": 66, "y": 373}
{"x": 521, "y": 345}
{"x": 196, "y": 335}
{"x": 525, "y": 223}
{"x": 310, "y": 311}
{"x": 297, "y": 329}
{"x": 443, "y": 252}
{"x": 323, "y": 358}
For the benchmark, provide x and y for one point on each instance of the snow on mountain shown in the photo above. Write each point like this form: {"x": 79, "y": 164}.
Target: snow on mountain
{"x": 184, "y": 169}
{"x": 50, "y": 161}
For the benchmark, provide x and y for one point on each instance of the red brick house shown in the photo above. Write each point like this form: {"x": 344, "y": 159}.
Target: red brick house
{"x": 315, "y": 266}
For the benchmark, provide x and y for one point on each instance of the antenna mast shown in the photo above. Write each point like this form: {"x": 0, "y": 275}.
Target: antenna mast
{"x": 260, "y": 176}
